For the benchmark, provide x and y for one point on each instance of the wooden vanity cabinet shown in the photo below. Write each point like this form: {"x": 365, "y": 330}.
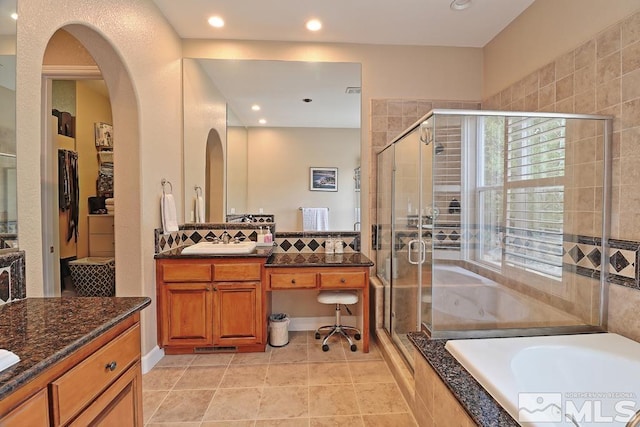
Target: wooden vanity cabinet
{"x": 210, "y": 303}
{"x": 100, "y": 384}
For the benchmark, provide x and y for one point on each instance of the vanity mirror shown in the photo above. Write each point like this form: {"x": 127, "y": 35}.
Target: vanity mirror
{"x": 312, "y": 114}
{"x": 8, "y": 196}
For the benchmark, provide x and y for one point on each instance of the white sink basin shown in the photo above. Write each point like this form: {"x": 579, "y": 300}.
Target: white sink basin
{"x": 209, "y": 248}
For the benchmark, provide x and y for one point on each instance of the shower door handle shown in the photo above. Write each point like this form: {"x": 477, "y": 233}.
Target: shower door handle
{"x": 422, "y": 254}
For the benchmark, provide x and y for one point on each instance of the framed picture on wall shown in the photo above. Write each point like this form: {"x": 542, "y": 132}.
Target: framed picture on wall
{"x": 104, "y": 135}
{"x": 323, "y": 179}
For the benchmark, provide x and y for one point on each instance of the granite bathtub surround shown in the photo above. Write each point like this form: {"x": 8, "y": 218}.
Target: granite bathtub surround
{"x": 12, "y": 277}
{"x": 442, "y": 383}
{"x": 43, "y": 331}
{"x": 189, "y": 234}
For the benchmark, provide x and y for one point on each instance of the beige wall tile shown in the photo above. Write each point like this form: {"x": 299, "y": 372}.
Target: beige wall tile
{"x": 564, "y": 88}
{"x": 546, "y": 96}
{"x": 585, "y": 101}
{"x": 565, "y": 65}
{"x": 630, "y": 114}
{"x": 394, "y": 108}
{"x": 608, "y": 68}
{"x": 584, "y": 79}
{"x": 608, "y": 42}
{"x": 623, "y": 311}
{"x": 630, "y": 58}
{"x": 631, "y": 85}
{"x": 378, "y": 107}
{"x": 547, "y": 75}
{"x": 608, "y": 94}
{"x": 585, "y": 55}
{"x": 631, "y": 29}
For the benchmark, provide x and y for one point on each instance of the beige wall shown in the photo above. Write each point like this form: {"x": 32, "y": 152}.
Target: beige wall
{"x": 543, "y": 32}
{"x": 139, "y": 58}
{"x": 237, "y": 158}
{"x": 598, "y": 74}
{"x": 412, "y": 72}
{"x": 205, "y": 109}
{"x": 278, "y": 173}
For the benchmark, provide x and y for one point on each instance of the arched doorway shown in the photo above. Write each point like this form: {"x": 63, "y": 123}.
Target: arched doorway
{"x": 214, "y": 179}
{"x": 125, "y": 158}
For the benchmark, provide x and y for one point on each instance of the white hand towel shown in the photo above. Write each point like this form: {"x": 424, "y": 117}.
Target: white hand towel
{"x": 109, "y": 201}
{"x": 168, "y": 213}
{"x": 7, "y": 359}
{"x": 200, "y": 209}
{"x": 315, "y": 219}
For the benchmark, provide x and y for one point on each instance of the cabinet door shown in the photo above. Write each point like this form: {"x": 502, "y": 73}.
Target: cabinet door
{"x": 238, "y": 314}
{"x": 120, "y": 405}
{"x": 33, "y": 413}
{"x": 187, "y": 309}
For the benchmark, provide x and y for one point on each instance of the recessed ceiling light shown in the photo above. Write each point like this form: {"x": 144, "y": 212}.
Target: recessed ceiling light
{"x": 14, "y": 16}
{"x": 314, "y": 25}
{"x": 216, "y": 21}
{"x": 460, "y": 4}
{"x": 255, "y": 107}
{"x": 262, "y": 121}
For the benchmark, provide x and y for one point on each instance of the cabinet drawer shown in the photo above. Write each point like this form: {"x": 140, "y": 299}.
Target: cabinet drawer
{"x": 343, "y": 279}
{"x": 186, "y": 272}
{"x": 101, "y": 242}
{"x": 101, "y": 224}
{"x": 79, "y": 386}
{"x": 236, "y": 272}
{"x": 292, "y": 280}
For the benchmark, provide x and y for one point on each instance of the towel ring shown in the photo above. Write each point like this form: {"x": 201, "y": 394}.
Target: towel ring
{"x": 165, "y": 182}
{"x": 197, "y": 187}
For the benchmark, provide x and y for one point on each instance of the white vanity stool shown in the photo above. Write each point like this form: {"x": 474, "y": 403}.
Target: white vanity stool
{"x": 337, "y": 298}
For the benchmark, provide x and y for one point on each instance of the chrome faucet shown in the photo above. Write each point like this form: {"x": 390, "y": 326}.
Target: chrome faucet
{"x": 226, "y": 238}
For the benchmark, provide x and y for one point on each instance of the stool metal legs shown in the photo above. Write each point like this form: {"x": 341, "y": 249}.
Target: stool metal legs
{"x": 338, "y": 329}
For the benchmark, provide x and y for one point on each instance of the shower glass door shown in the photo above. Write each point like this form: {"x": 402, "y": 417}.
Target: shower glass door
{"x": 408, "y": 247}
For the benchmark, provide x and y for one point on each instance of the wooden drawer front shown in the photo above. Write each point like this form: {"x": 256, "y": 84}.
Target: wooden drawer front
{"x": 102, "y": 242}
{"x": 343, "y": 279}
{"x": 33, "y": 413}
{"x": 292, "y": 280}
{"x": 186, "y": 272}
{"x": 78, "y": 387}
{"x": 101, "y": 224}
{"x": 236, "y": 272}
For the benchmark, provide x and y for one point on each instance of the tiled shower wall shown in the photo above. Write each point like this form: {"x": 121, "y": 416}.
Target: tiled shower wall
{"x": 601, "y": 76}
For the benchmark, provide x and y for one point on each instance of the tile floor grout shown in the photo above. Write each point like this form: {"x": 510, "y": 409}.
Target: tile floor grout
{"x": 263, "y": 410}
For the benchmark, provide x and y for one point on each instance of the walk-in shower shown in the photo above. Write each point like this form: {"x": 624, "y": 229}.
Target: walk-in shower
{"x": 494, "y": 224}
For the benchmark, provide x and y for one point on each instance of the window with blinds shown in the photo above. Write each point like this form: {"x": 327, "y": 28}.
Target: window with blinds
{"x": 534, "y": 202}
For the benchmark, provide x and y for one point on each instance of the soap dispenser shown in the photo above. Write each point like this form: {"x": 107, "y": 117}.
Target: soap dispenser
{"x": 268, "y": 237}
{"x": 260, "y": 236}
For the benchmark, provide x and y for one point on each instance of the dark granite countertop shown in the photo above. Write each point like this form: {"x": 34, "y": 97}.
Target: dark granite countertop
{"x": 478, "y": 403}
{"x": 259, "y": 252}
{"x": 353, "y": 259}
{"x": 42, "y": 331}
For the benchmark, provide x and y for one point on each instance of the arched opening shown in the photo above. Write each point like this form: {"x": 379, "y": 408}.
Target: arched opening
{"x": 214, "y": 178}
{"x": 126, "y": 161}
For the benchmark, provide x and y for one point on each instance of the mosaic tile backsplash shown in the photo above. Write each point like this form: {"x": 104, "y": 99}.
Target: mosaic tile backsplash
{"x": 285, "y": 242}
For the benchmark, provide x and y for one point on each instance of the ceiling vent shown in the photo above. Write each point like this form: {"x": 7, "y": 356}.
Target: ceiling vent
{"x": 353, "y": 90}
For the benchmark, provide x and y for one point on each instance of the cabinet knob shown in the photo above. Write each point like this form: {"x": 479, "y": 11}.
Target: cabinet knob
{"x": 293, "y": 281}
{"x": 215, "y": 289}
{"x": 111, "y": 366}
{"x": 343, "y": 280}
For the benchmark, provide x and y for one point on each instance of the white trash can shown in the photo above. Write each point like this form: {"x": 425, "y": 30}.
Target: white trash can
{"x": 278, "y": 330}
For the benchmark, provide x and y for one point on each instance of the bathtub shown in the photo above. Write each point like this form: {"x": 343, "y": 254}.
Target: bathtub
{"x": 562, "y": 380}
{"x": 465, "y": 300}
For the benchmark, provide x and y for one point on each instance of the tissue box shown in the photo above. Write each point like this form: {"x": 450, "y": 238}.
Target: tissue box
{"x": 94, "y": 276}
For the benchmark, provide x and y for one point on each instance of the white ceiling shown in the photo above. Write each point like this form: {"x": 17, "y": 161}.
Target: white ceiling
{"x": 279, "y": 87}
{"x": 404, "y": 22}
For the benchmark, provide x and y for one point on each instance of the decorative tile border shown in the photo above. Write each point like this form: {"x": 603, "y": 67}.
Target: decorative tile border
{"x": 189, "y": 234}
{"x": 313, "y": 242}
{"x": 252, "y": 218}
{"x": 12, "y": 277}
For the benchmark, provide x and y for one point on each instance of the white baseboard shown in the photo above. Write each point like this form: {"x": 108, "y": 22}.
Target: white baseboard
{"x": 313, "y": 323}
{"x": 150, "y": 359}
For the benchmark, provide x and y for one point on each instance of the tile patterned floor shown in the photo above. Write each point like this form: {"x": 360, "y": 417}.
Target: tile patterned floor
{"x": 296, "y": 385}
